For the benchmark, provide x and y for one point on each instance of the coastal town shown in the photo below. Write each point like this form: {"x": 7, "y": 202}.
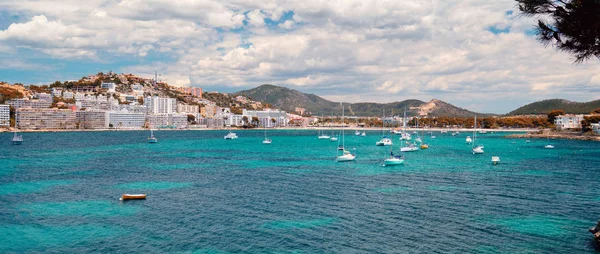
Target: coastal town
{"x": 129, "y": 102}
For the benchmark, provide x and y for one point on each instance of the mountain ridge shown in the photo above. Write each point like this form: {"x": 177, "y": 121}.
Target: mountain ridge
{"x": 288, "y": 99}
{"x": 545, "y": 106}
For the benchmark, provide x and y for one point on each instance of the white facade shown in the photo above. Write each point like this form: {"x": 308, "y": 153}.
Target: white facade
{"x": 126, "y": 120}
{"x": 187, "y": 109}
{"x": 45, "y": 118}
{"x": 596, "y": 128}
{"x": 4, "y": 115}
{"x": 92, "y": 119}
{"x": 168, "y": 121}
{"x": 157, "y": 105}
{"x": 266, "y": 117}
{"x": 56, "y": 92}
{"x": 569, "y": 121}
{"x": 44, "y": 97}
{"x": 67, "y": 95}
{"x": 109, "y": 86}
{"x": 25, "y": 103}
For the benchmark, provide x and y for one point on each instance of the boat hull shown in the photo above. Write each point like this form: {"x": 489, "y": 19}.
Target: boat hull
{"x": 132, "y": 197}
{"x": 393, "y": 162}
{"x": 345, "y": 158}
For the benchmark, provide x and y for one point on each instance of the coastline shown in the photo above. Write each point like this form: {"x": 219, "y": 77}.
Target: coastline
{"x": 555, "y": 135}
{"x": 438, "y": 130}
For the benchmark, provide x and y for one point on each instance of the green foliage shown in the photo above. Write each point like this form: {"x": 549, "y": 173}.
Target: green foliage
{"x": 554, "y": 113}
{"x": 587, "y": 121}
{"x": 545, "y": 106}
{"x": 572, "y": 26}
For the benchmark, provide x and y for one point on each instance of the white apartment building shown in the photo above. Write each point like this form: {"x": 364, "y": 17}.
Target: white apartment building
{"x": 67, "y": 95}
{"x": 126, "y": 120}
{"x": 92, "y": 119}
{"x": 44, "y": 97}
{"x": 56, "y": 92}
{"x": 79, "y": 96}
{"x": 111, "y": 87}
{"x": 596, "y": 128}
{"x": 26, "y": 103}
{"x": 569, "y": 121}
{"x": 46, "y": 118}
{"x": 157, "y": 105}
{"x": 168, "y": 121}
{"x": 4, "y": 115}
{"x": 188, "y": 109}
{"x": 266, "y": 117}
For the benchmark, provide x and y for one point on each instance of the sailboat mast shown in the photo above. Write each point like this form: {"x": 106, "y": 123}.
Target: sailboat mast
{"x": 474, "y": 131}
{"x": 343, "y": 144}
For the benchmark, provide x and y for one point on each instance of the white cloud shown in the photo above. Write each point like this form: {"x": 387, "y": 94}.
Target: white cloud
{"x": 359, "y": 50}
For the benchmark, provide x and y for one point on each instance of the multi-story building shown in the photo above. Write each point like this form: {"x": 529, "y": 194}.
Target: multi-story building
{"x": 267, "y": 118}
{"x": 168, "y": 121}
{"x": 157, "y": 105}
{"x": 110, "y": 87}
{"x": 92, "y": 119}
{"x": 187, "y": 109}
{"x": 4, "y": 115}
{"x": 194, "y": 91}
{"x": 569, "y": 121}
{"x": 79, "y": 96}
{"x": 126, "y": 120}
{"x": 44, "y": 97}
{"x": 67, "y": 95}
{"x": 46, "y": 118}
{"x": 210, "y": 110}
{"x": 57, "y": 92}
{"x": 26, "y": 103}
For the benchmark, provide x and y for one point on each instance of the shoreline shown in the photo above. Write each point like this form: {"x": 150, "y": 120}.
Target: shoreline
{"x": 555, "y": 135}
{"x": 282, "y": 128}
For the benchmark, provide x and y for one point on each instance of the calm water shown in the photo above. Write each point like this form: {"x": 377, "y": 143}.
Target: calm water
{"x": 59, "y": 192}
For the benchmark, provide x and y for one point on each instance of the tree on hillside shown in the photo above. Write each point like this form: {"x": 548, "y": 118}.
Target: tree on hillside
{"x": 552, "y": 115}
{"x": 572, "y": 26}
{"x": 596, "y": 111}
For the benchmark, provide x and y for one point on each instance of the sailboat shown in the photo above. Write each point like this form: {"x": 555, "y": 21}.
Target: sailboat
{"x": 549, "y": 146}
{"x": 267, "y": 140}
{"x": 346, "y": 155}
{"x": 423, "y": 145}
{"x": 384, "y": 141}
{"x": 152, "y": 139}
{"x": 357, "y": 132}
{"x": 322, "y": 134}
{"x": 333, "y": 137}
{"x": 411, "y": 147}
{"x": 393, "y": 159}
{"x": 476, "y": 149}
{"x": 468, "y": 140}
{"x": 17, "y": 139}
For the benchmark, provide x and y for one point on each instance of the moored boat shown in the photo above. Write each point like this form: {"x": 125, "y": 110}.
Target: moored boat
{"x": 132, "y": 196}
{"x": 495, "y": 160}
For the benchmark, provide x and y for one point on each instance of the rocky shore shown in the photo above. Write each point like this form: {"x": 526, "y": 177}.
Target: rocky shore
{"x": 556, "y": 135}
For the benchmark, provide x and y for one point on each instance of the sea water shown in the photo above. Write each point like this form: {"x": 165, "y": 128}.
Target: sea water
{"x": 59, "y": 192}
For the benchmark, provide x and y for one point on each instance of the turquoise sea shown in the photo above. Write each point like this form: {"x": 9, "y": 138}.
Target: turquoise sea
{"x": 59, "y": 192}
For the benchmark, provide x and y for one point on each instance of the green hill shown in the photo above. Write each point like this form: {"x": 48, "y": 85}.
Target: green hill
{"x": 288, "y": 99}
{"x": 545, "y": 106}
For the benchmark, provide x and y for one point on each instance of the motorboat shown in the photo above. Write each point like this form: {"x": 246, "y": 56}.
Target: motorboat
{"x": 385, "y": 141}
{"x": 495, "y": 160}
{"x": 231, "y": 135}
{"x": 132, "y": 197}
{"x": 478, "y": 150}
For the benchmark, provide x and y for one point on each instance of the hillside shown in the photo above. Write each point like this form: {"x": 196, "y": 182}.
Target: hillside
{"x": 545, "y": 106}
{"x": 288, "y": 99}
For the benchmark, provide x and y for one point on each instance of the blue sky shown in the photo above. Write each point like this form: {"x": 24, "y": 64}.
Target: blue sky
{"x": 476, "y": 54}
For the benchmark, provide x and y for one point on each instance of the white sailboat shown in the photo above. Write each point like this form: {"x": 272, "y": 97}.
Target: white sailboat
{"x": 393, "y": 160}
{"x": 346, "y": 155}
{"x": 16, "y": 139}
{"x": 468, "y": 140}
{"x": 476, "y": 149}
{"x": 322, "y": 134}
{"x": 230, "y": 135}
{"x": 384, "y": 141}
{"x": 267, "y": 140}
{"x": 152, "y": 139}
{"x": 357, "y": 132}
{"x": 411, "y": 147}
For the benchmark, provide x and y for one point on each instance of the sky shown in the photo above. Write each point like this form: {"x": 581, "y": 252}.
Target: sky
{"x": 476, "y": 54}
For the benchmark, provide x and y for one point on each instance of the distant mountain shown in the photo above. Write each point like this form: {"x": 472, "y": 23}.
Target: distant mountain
{"x": 288, "y": 99}
{"x": 545, "y": 106}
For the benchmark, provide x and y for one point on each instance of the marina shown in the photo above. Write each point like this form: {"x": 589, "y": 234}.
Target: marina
{"x": 242, "y": 196}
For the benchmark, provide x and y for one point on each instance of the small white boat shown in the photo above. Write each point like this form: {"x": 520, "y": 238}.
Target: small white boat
{"x": 482, "y": 132}
{"x": 17, "y": 139}
{"x": 267, "y": 141}
{"x": 357, "y": 133}
{"x": 333, "y": 139}
{"x": 396, "y": 132}
{"x": 410, "y": 148}
{"x": 468, "y": 140}
{"x": 132, "y": 196}
{"x": 527, "y": 141}
{"x": 418, "y": 140}
{"x": 548, "y": 146}
{"x": 432, "y": 137}
{"x": 495, "y": 160}
{"x": 384, "y": 142}
{"x": 363, "y": 134}
{"x": 478, "y": 150}
{"x": 346, "y": 156}
{"x": 324, "y": 137}
{"x": 406, "y": 136}
{"x": 230, "y": 135}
